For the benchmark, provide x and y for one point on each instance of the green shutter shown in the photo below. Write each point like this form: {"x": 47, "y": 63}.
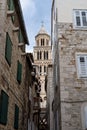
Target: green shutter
{"x": 10, "y": 5}
{"x": 19, "y": 72}
{"x": 8, "y": 49}
{"x": 20, "y": 37}
{"x": 16, "y": 117}
{"x": 3, "y": 108}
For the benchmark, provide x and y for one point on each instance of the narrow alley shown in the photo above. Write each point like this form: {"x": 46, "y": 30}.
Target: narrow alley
{"x": 43, "y": 65}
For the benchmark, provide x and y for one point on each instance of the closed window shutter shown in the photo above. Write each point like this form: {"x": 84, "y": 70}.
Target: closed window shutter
{"x": 3, "y": 108}
{"x": 10, "y": 5}
{"x": 16, "y": 117}
{"x": 82, "y": 64}
{"x": 19, "y": 72}
{"x": 20, "y": 37}
{"x": 8, "y": 49}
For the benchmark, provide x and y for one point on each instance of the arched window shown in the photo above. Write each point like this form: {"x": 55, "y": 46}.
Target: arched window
{"x": 40, "y": 55}
{"x": 44, "y": 55}
{"x": 41, "y": 42}
{"x": 47, "y": 55}
{"x": 44, "y": 69}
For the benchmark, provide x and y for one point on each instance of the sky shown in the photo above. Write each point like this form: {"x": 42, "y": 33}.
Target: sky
{"x": 34, "y": 12}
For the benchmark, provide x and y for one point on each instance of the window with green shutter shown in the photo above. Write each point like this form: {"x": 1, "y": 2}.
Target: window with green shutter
{"x": 20, "y": 37}
{"x": 16, "y": 117}
{"x": 10, "y": 5}
{"x": 8, "y": 49}
{"x": 11, "y": 8}
{"x": 19, "y": 72}
{"x": 3, "y": 108}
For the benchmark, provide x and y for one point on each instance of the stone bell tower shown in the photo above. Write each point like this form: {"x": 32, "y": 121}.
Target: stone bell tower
{"x": 42, "y": 58}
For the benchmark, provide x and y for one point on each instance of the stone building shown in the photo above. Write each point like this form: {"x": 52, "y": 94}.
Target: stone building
{"x": 50, "y": 96}
{"x": 69, "y": 43}
{"x": 42, "y": 58}
{"x": 13, "y": 85}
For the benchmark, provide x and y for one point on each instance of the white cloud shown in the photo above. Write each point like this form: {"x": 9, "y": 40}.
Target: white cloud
{"x": 28, "y": 6}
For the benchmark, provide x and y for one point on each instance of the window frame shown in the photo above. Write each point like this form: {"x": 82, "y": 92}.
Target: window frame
{"x": 78, "y": 55}
{"x": 6, "y": 49}
{"x": 19, "y": 72}
{"x": 81, "y": 20}
{"x": 4, "y": 102}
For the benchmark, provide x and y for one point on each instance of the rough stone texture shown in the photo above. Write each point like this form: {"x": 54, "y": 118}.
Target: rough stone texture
{"x": 50, "y": 96}
{"x": 73, "y": 90}
{"x": 8, "y": 74}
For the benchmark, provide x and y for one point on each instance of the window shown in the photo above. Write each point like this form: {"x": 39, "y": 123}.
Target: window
{"x": 11, "y": 7}
{"x": 3, "y": 108}
{"x": 80, "y": 18}
{"x": 44, "y": 55}
{"x": 82, "y": 65}
{"x": 42, "y": 42}
{"x": 16, "y": 117}
{"x": 40, "y": 69}
{"x": 44, "y": 69}
{"x": 19, "y": 72}
{"x": 8, "y": 49}
{"x": 20, "y": 37}
{"x": 40, "y": 55}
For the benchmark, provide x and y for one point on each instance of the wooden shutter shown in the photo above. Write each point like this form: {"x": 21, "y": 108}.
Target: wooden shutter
{"x": 10, "y": 5}
{"x": 8, "y": 49}
{"x": 19, "y": 72}
{"x": 82, "y": 66}
{"x": 20, "y": 37}
{"x": 16, "y": 117}
{"x": 3, "y": 108}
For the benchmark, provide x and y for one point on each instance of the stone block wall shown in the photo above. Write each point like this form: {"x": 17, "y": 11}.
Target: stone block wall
{"x": 73, "y": 90}
{"x": 8, "y": 74}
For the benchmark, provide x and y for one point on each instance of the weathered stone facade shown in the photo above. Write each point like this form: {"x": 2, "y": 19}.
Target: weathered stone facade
{"x": 50, "y": 96}
{"x": 16, "y": 91}
{"x": 70, "y": 89}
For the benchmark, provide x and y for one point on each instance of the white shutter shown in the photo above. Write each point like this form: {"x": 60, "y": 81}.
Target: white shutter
{"x": 82, "y": 66}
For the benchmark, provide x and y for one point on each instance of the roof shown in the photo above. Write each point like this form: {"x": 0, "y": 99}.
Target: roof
{"x": 21, "y": 20}
{"x": 42, "y": 31}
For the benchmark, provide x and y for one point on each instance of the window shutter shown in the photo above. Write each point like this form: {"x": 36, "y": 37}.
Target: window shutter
{"x": 19, "y": 72}
{"x": 3, "y": 108}
{"x": 10, "y": 5}
{"x": 20, "y": 37}
{"x": 8, "y": 49}
{"x": 16, "y": 117}
{"x": 82, "y": 63}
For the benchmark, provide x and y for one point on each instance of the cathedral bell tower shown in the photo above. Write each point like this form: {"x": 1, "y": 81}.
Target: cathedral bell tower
{"x": 42, "y": 58}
